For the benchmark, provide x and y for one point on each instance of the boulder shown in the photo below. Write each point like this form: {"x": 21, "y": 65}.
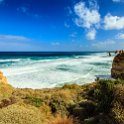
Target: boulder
{"x": 117, "y": 70}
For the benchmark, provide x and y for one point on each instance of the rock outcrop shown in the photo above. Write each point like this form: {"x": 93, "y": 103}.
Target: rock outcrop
{"x": 3, "y": 79}
{"x": 117, "y": 70}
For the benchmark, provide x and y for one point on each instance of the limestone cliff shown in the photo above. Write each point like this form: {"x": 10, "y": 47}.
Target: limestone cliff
{"x": 117, "y": 70}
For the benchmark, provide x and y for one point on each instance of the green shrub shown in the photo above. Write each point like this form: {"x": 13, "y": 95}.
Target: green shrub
{"x": 84, "y": 109}
{"x": 37, "y": 102}
{"x": 104, "y": 94}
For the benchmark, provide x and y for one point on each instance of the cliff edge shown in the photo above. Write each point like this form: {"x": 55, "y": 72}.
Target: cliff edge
{"x": 117, "y": 70}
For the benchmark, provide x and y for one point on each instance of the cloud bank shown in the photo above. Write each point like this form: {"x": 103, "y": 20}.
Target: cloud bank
{"x": 113, "y": 22}
{"x": 120, "y": 36}
{"x": 118, "y": 1}
{"x": 16, "y": 43}
{"x": 88, "y": 18}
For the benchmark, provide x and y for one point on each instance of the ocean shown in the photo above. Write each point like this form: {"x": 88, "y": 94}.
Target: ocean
{"x": 53, "y": 69}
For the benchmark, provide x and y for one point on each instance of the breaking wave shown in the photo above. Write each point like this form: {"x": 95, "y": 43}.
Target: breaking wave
{"x": 47, "y": 72}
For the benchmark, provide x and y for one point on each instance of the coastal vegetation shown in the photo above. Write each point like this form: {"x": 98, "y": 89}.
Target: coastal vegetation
{"x": 101, "y": 102}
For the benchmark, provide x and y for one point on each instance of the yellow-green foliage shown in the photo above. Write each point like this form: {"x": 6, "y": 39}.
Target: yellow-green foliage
{"x": 40, "y": 106}
{"x": 37, "y": 102}
{"x": 16, "y": 114}
{"x": 6, "y": 91}
{"x": 61, "y": 100}
{"x": 71, "y": 86}
{"x": 58, "y": 99}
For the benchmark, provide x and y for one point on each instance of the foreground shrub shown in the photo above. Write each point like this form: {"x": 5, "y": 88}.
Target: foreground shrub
{"x": 104, "y": 93}
{"x": 61, "y": 101}
{"x": 64, "y": 120}
{"x": 37, "y": 102}
{"x": 84, "y": 109}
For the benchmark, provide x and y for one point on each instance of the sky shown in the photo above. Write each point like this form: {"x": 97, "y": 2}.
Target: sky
{"x": 61, "y": 25}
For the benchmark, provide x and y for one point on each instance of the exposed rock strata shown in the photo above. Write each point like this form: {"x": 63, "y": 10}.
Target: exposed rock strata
{"x": 117, "y": 70}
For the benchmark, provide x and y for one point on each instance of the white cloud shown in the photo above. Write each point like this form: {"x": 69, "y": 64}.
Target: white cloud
{"x": 15, "y": 43}
{"x": 22, "y": 9}
{"x": 107, "y": 45}
{"x": 104, "y": 45}
{"x": 120, "y": 36}
{"x": 13, "y": 38}
{"x": 26, "y": 11}
{"x": 55, "y": 43}
{"x": 87, "y": 17}
{"x": 91, "y": 35}
{"x": 73, "y": 34}
{"x": 118, "y": 0}
{"x": 113, "y": 22}
{"x": 66, "y": 25}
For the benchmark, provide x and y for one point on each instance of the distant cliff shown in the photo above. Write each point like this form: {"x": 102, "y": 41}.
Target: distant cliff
{"x": 117, "y": 70}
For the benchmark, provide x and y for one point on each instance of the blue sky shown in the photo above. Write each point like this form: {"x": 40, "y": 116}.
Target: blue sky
{"x": 61, "y": 25}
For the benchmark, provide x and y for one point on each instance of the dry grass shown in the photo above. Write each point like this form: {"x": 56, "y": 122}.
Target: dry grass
{"x": 6, "y": 91}
{"x": 118, "y": 104}
{"x": 64, "y": 120}
{"x": 16, "y": 114}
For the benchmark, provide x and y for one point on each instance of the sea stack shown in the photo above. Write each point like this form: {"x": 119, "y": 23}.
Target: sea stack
{"x": 117, "y": 70}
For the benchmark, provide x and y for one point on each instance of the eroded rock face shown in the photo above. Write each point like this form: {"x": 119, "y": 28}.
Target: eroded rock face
{"x": 3, "y": 79}
{"x": 117, "y": 70}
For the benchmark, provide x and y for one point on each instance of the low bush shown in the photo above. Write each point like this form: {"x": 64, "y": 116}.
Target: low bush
{"x": 104, "y": 94}
{"x": 37, "y": 102}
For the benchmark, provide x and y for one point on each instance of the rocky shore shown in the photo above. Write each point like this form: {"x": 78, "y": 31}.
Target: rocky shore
{"x": 101, "y": 102}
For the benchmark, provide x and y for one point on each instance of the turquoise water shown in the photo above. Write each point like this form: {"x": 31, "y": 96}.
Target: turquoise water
{"x": 43, "y": 70}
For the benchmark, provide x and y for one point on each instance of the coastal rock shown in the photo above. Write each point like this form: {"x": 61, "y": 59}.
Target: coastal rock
{"x": 3, "y": 79}
{"x": 117, "y": 70}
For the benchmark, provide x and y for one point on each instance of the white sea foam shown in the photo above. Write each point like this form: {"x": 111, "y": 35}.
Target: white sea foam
{"x": 10, "y": 60}
{"x": 42, "y": 73}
